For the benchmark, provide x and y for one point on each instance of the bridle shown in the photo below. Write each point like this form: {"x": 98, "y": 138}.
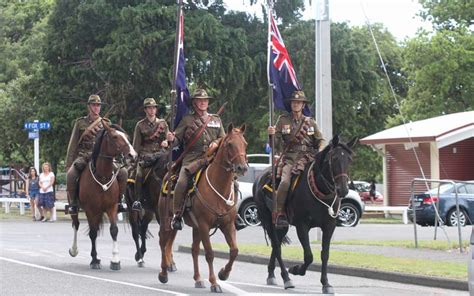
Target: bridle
{"x": 118, "y": 149}
{"x": 329, "y": 186}
{"x": 229, "y": 165}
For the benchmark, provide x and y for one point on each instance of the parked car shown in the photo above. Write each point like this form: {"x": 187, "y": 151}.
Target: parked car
{"x": 363, "y": 188}
{"x": 446, "y": 202}
{"x": 350, "y": 212}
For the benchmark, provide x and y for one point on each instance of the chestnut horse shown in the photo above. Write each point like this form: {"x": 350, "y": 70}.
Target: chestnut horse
{"x": 151, "y": 191}
{"x": 314, "y": 202}
{"x": 214, "y": 202}
{"x": 99, "y": 189}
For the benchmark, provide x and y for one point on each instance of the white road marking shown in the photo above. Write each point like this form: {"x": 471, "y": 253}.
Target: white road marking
{"x": 90, "y": 277}
{"x": 232, "y": 288}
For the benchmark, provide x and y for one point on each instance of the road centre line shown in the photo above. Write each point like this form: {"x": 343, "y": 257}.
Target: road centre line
{"x": 90, "y": 277}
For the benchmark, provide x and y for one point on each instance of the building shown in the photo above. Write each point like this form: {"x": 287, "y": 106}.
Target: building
{"x": 437, "y": 148}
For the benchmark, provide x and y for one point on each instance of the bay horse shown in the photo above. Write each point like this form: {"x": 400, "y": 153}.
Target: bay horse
{"x": 213, "y": 206}
{"x": 314, "y": 202}
{"x": 99, "y": 189}
{"x": 151, "y": 190}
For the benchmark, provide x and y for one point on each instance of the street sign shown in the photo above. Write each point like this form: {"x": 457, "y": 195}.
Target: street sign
{"x": 37, "y": 125}
{"x": 33, "y": 135}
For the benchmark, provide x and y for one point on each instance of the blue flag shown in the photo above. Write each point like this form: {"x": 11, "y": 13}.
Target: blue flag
{"x": 281, "y": 74}
{"x": 182, "y": 92}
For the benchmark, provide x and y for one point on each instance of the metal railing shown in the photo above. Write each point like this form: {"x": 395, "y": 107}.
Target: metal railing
{"x": 437, "y": 217}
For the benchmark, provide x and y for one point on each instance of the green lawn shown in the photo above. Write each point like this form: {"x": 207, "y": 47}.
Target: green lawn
{"x": 441, "y": 245}
{"x": 364, "y": 260}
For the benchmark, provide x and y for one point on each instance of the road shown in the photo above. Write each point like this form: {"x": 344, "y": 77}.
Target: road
{"x": 35, "y": 261}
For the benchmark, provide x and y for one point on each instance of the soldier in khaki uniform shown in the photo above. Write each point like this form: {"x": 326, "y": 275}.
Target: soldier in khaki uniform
{"x": 79, "y": 152}
{"x": 298, "y": 138}
{"x": 151, "y": 135}
{"x": 196, "y": 157}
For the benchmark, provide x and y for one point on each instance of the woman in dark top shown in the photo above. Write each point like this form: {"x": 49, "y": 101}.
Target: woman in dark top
{"x": 32, "y": 190}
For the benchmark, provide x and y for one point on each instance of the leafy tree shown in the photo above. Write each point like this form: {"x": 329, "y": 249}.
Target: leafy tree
{"x": 448, "y": 14}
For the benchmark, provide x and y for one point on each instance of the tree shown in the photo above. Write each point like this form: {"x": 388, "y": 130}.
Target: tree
{"x": 448, "y": 14}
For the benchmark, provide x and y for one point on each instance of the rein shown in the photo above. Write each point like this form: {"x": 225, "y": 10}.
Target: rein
{"x": 228, "y": 201}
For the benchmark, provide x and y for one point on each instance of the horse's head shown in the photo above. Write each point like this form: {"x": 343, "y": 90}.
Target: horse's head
{"x": 116, "y": 142}
{"x": 233, "y": 150}
{"x": 336, "y": 160}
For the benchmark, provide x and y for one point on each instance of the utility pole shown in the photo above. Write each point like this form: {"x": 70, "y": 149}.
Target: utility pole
{"x": 323, "y": 106}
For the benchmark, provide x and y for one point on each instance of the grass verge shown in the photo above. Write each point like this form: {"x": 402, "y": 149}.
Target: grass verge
{"x": 364, "y": 260}
{"x": 381, "y": 221}
{"x": 439, "y": 245}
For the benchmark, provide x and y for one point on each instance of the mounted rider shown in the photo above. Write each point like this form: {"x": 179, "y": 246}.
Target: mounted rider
{"x": 207, "y": 142}
{"x": 79, "y": 152}
{"x": 150, "y": 136}
{"x": 297, "y": 138}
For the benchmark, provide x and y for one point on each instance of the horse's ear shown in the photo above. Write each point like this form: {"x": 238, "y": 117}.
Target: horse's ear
{"x": 230, "y": 127}
{"x": 243, "y": 127}
{"x": 353, "y": 142}
{"x": 335, "y": 140}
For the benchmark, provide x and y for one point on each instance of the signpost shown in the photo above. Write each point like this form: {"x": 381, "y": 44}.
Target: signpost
{"x": 33, "y": 129}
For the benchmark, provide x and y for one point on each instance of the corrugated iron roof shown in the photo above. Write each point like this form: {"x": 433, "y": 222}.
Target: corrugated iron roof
{"x": 427, "y": 130}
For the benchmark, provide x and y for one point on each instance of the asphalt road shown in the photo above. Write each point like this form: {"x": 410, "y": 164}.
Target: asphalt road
{"x": 34, "y": 260}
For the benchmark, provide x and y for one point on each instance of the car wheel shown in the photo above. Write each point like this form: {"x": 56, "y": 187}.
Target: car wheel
{"x": 249, "y": 213}
{"x": 349, "y": 215}
{"x": 452, "y": 218}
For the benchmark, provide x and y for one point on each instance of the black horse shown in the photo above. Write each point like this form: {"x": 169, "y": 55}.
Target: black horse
{"x": 314, "y": 202}
{"x": 151, "y": 191}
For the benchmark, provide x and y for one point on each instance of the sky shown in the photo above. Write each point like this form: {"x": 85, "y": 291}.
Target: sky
{"x": 398, "y": 16}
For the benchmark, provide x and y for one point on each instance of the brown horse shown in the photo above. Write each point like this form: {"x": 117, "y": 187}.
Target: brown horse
{"x": 139, "y": 220}
{"x": 99, "y": 190}
{"x": 214, "y": 203}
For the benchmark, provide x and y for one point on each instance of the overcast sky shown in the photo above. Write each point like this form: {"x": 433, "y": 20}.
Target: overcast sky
{"x": 398, "y": 16}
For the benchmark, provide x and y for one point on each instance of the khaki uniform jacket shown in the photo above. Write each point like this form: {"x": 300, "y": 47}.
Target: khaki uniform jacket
{"x": 143, "y": 144}
{"x": 307, "y": 140}
{"x": 187, "y": 128}
{"x": 83, "y": 149}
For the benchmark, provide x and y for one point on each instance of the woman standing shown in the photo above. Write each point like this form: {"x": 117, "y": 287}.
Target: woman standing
{"x": 32, "y": 190}
{"x": 46, "y": 199}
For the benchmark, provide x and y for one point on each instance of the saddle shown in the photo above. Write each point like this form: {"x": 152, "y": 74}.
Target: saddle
{"x": 170, "y": 183}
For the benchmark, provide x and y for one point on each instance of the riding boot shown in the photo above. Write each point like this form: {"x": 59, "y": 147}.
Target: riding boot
{"x": 279, "y": 217}
{"x": 122, "y": 181}
{"x": 178, "y": 198}
{"x": 72, "y": 189}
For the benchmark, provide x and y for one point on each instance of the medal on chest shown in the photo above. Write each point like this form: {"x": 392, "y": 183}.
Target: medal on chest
{"x": 286, "y": 129}
{"x": 214, "y": 123}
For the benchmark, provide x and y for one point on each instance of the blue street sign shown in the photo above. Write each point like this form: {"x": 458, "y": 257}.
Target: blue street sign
{"x": 33, "y": 135}
{"x": 37, "y": 125}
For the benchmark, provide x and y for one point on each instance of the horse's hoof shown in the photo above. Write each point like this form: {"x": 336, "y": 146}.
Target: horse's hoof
{"x": 172, "y": 267}
{"x": 137, "y": 257}
{"x": 328, "y": 289}
{"x": 115, "y": 265}
{"x": 199, "y": 284}
{"x": 296, "y": 270}
{"x": 289, "y": 284}
{"x": 216, "y": 289}
{"x": 222, "y": 275}
{"x": 141, "y": 263}
{"x": 271, "y": 281}
{"x": 73, "y": 252}
{"x": 163, "y": 278}
{"x": 96, "y": 265}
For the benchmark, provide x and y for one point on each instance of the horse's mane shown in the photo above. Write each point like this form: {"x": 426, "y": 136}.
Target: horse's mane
{"x": 98, "y": 142}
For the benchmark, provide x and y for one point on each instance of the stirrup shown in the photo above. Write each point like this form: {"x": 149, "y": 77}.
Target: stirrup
{"x": 72, "y": 210}
{"x": 137, "y": 205}
{"x": 281, "y": 221}
{"x": 177, "y": 223}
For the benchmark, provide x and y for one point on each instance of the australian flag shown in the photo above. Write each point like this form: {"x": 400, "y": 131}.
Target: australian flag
{"x": 182, "y": 92}
{"x": 281, "y": 74}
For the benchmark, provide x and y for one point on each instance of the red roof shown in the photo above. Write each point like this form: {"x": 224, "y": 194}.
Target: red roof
{"x": 444, "y": 130}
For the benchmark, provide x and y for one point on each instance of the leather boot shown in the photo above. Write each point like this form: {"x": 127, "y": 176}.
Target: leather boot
{"x": 177, "y": 222}
{"x": 281, "y": 221}
{"x": 137, "y": 205}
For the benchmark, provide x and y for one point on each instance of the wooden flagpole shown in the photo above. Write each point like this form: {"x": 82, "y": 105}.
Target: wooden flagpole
{"x": 175, "y": 64}
{"x": 270, "y": 105}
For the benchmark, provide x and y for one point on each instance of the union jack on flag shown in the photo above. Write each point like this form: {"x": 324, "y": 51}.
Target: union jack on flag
{"x": 281, "y": 74}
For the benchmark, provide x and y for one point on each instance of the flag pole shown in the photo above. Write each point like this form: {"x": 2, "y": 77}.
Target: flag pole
{"x": 271, "y": 107}
{"x": 175, "y": 64}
